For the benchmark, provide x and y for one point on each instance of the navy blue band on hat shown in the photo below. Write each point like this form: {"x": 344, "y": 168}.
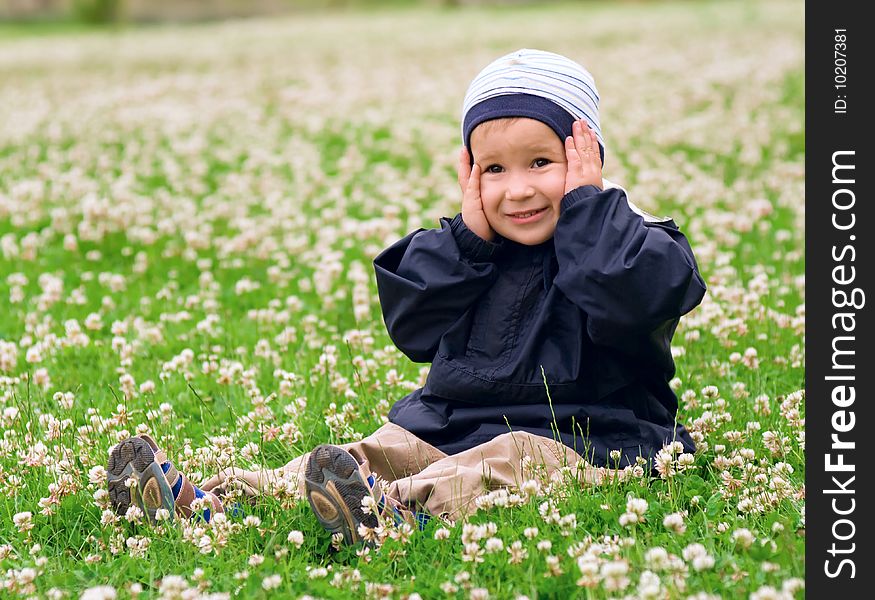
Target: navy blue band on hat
{"x": 520, "y": 105}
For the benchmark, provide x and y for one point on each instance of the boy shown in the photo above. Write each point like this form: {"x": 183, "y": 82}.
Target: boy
{"x": 547, "y": 275}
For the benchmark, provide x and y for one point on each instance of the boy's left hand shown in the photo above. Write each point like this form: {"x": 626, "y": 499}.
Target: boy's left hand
{"x": 584, "y": 160}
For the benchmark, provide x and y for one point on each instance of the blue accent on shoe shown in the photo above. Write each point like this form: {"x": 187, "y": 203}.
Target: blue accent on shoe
{"x": 381, "y": 504}
{"x": 177, "y": 487}
{"x": 422, "y": 519}
{"x": 198, "y": 493}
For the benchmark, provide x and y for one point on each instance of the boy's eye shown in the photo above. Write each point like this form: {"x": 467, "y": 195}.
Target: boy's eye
{"x": 541, "y": 162}
{"x": 494, "y": 169}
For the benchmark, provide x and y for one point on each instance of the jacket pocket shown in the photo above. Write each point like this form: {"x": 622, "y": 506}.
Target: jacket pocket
{"x": 479, "y": 327}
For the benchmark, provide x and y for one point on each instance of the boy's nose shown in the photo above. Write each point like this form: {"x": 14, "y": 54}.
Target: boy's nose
{"x": 518, "y": 188}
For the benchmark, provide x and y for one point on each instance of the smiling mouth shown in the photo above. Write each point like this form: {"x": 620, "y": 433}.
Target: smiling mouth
{"x": 523, "y": 215}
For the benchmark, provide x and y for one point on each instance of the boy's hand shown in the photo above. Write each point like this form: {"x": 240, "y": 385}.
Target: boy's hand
{"x": 584, "y": 161}
{"x": 472, "y": 205}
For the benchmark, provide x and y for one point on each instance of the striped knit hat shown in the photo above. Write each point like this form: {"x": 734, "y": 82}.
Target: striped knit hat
{"x": 536, "y": 84}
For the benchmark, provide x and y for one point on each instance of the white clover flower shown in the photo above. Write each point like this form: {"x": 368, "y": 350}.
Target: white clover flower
{"x": 472, "y": 552}
{"x": 271, "y": 582}
{"x": 636, "y": 505}
{"x": 368, "y": 504}
{"x": 97, "y": 475}
{"x": 675, "y": 522}
{"x": 173, "y": 586}
{"x": 702, "y": 563}
{"x": 686, "y": 459}
{"x": 162, "y": 514}
{"x": 101, "y": 592}
{"x": 649, "y": 585}
{"x": 767, "y": 592}
{"x": 134, "y": 514}
{"x": 517, "y": 552}
{"x": 296, "y": 538}
{"x": 743, "y": 537}
{"x": 255, "y": 560}
{"x": 23, "y": 521}
{"x": 693, "y": 550}
{"x": 531, "y": 488}
{"x": 614, "y": 575}
{"x": 317, "y": 572}
{"x": 793, "y": 585}
{"x": 629, "y": 518}
{"x": 554, "y": 568}
{"x": 252, "y": 521}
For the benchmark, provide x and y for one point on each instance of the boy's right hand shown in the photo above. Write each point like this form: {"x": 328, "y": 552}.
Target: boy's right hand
{"x": 472, "y": 204}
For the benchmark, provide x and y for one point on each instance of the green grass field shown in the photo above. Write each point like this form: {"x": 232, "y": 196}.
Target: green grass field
{"x": 188, "y": 216}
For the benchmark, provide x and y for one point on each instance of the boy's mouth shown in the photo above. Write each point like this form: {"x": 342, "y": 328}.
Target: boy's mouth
{"x": 526, "y": 215}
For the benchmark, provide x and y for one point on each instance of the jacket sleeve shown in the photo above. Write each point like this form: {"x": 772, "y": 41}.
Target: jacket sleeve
{"x": 631, "y": 276}
{"x": 427, "y": 280}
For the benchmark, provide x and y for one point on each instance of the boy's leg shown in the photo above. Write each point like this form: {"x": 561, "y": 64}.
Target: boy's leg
{"x": 448, "y": 487}
{"x": 391, "y": 452}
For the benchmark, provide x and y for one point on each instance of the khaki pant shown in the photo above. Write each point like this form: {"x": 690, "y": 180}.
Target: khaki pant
{"x": 420, "y": 477}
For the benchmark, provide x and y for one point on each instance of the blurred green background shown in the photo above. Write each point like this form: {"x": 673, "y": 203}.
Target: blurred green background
{"x": 145, "y": 11}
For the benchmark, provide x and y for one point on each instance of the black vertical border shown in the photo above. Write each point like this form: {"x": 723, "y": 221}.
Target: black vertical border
{"x": 827, "y": 132}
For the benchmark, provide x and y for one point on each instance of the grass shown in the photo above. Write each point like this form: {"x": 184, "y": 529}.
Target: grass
{"x": 209, "y": 187}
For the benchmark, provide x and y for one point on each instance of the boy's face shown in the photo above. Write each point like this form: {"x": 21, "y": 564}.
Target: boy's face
{"x": 523, "y": 169}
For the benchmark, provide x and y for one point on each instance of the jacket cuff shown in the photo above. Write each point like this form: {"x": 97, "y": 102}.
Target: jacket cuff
{"x": 471, "y": 245}
{"x": 578, "y": 194}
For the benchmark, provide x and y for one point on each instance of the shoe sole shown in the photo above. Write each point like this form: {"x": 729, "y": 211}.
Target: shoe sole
{"x": 134, "y": 458}
{"x": 335, "y": 489}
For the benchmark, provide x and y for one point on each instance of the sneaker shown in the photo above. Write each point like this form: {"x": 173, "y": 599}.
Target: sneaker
{"x": 157, "y": 483}
{"x": 134, "y": 458}
{"x": 335, "y": 489}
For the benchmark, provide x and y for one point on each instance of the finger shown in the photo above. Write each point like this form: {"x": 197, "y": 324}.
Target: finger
{"x": 464, "y": 169}
{"x": 572, "y": 155}
{"x": 590, "y": 141}
{"x": 473, "y": 188}
{"x": 212, "y": 482}
{"x": 593, "y": 140}
{"x": 248, "y": 489}
{"x": 579, "y": 138}
{"x": 584, "y": 135}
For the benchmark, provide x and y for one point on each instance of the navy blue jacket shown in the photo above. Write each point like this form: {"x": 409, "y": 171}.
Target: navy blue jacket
{"x": 596, "y": 306}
